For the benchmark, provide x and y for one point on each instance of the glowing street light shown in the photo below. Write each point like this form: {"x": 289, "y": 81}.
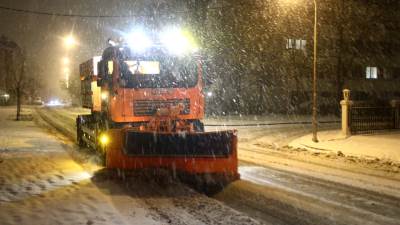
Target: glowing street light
{"x": 67, "y": 79}
{"x": 65, "y": 60}
{"x": 69, "y": 41}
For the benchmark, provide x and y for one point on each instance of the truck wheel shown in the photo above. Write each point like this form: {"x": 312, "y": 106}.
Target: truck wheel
{"x": 101, "y": 152}
{"x": 104, "y": 126}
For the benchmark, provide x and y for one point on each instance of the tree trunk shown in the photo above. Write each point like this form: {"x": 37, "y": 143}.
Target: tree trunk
{"x": 18, "y": 104}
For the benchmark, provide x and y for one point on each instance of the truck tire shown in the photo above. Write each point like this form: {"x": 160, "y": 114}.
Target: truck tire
{"x": 101, "y": 152}
{"x": 102, "y": 125}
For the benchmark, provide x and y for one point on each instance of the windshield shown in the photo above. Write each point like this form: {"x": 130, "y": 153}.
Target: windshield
{"x": 159, "y": 73}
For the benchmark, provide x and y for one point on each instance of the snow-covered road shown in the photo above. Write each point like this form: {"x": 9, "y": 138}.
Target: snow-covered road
{"x": 283, "y": 197}
{"x": 281, "y": 185}
{"x": 42, "y": 183}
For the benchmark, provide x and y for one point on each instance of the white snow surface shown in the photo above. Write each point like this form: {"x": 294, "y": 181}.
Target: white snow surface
{"x": 384, "y": 145}
{"x": 41, "y": 183}
{"x": 274, "y": 193}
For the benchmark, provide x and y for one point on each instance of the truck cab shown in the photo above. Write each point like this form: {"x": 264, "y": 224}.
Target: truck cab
{"x": 134, "y": 86}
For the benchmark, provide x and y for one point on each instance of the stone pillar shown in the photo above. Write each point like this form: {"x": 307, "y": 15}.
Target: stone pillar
{"x": 346, "y": 105}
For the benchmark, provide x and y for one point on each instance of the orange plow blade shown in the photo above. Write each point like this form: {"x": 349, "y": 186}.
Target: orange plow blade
{"x": 207, "y": 156}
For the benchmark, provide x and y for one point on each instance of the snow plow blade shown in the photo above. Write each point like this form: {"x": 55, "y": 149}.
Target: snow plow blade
{"x": 203, "y": 158}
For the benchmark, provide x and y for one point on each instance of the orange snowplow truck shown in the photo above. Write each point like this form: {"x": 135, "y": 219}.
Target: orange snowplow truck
{"x": 146, "y": 111}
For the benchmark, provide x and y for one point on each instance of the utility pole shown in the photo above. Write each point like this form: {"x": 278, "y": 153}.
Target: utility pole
{"x": 314, "y": 106}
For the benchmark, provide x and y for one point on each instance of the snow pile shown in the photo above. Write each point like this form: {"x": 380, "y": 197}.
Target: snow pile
{"x": 380, "y": 146}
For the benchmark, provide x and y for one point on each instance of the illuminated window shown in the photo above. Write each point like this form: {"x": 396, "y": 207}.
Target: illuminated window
{"x": 289, "y": 43}
{"x": 371, "y": 72}
{"x": 296, "y": 44}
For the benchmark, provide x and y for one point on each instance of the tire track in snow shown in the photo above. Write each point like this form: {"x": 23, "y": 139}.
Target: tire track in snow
{"x": 292, "y": 198}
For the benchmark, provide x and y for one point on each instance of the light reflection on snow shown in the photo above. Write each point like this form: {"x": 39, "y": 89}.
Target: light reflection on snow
{"x": 40, "y": 185}
{"x": 249, "y": 173}
{"x": 83, "y": 176}
{"x": 54, "y": 102}
{"x": 271, "y": 178}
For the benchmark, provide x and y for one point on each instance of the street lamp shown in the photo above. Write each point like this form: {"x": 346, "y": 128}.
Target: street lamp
{"x": 67, "y": 80}
{"x": 66, "y": 72}
{"x": 69, "y": 41}
{"x": 314, "y": 108}
{"x": 65, "y": 60}
{"x": 314, "y": 75}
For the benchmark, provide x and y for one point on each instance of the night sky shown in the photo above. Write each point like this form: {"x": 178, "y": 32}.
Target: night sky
{"x": 41, "y": 35}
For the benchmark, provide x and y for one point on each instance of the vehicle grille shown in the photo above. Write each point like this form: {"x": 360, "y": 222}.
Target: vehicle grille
{"x": 149, "y": 107}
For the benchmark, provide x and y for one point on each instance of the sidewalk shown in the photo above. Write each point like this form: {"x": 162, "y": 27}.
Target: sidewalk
{"x": 265, "y": 119}
{"x": 383, "y": 145}
{"x": 241, "y": 120}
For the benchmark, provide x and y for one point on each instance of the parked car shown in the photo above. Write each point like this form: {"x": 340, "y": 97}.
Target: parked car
{"x": 38, "y": 101}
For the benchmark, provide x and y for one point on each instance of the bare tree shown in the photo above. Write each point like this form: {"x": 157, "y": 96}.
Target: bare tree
{"x": 16, "y": 79}
{"x": 35, "y": 80}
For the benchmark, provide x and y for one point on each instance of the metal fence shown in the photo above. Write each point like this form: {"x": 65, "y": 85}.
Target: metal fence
{"x": 368, "y": 118}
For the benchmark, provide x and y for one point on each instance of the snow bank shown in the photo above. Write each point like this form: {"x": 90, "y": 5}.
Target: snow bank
{"x": 383, "y": 145}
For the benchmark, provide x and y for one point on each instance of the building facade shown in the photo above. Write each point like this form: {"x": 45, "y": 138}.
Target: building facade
{"x": 267, "y": 47}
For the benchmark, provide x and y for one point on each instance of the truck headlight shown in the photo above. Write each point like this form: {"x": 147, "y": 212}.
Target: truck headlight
{"x": 178, "y": 41}
{"x": 104, "y": 95}
{"x": 104, "y": 139}
{"x": 138, "y": 40}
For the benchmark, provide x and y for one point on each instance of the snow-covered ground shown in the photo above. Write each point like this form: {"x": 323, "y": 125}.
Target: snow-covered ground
{"x": 384, "y": 145}
{"x": 285, "y": 185}
{"x": 41, "y": 182}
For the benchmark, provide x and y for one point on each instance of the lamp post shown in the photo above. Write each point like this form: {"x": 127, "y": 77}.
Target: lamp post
{"x": 69, "y": 42}
{"x": 314, "y": 74}
{"x": 314, "y": 107}
{"x": 66, "y": 71}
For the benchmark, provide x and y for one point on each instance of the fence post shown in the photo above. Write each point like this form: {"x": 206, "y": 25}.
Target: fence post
{"x": 346, "y": 107}
{"x": 396, "y": 106}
